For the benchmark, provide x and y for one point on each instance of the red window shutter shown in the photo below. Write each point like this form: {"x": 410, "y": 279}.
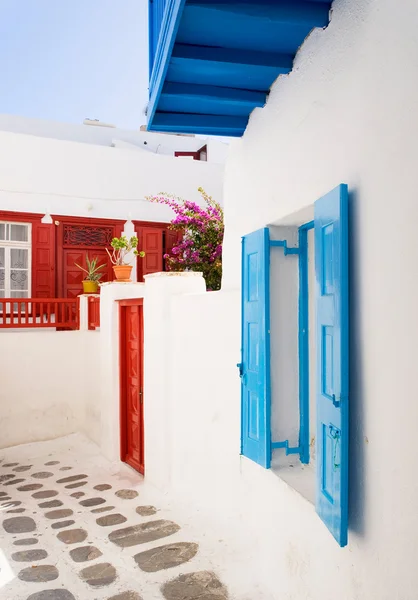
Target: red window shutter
{"x": 43, "y": 260}
{"x": 151, "y": 242}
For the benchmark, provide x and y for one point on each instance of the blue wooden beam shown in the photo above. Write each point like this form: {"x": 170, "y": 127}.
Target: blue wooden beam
{"x": 227, "y": 67}
{"x": 315, "y": 14}
{"x": 171, "y": 20}
{"x": 234, "y": 55}
{"x": 210, "y": 100}
{"x": 199, "y": 124}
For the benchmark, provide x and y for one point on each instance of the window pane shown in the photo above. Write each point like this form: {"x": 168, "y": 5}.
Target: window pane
{"x": 2, "y": 279}
{"x": 19, "y": 233}
{"x": 2, "y": 231}
{"x": 18, "y": 295}
{"x": 18, "y": 281}
{"x": 2, "y": 257}
{"x": 19, "y": 258}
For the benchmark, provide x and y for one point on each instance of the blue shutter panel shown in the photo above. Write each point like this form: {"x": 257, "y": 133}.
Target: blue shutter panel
{"x": 255, "y": 361}
{"x": 331, "y": 267}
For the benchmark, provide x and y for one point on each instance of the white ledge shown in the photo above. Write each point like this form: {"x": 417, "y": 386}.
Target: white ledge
{"x": 175, "y": 274}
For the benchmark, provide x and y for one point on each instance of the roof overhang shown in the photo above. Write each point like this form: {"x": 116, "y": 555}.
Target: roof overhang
{"x": 213, "y": 61}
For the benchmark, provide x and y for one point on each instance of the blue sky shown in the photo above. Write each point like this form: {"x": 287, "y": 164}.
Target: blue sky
{"x": 70, "y": 59}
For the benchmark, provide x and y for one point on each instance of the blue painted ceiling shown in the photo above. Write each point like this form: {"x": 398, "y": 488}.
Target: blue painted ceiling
{"x": 213, "y": 61}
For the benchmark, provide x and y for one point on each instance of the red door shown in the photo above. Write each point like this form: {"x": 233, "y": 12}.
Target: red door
{"x": 151, "y": 242}
{"x": 73, "y": 276}
{"x": 76, "y": 239}
{"x": 131, "y": 384}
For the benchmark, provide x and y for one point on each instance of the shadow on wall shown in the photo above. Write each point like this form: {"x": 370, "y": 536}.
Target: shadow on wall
{"x": 357, "y": 437}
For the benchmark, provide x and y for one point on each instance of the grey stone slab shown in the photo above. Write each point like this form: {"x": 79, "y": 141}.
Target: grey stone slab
{"x": 30, "y": 487}
{"x": 26, "y": 542}
{"x": 3, "y": 494}
{"x": 78, "y": 484}
{"x": 145, "y": 532}
{"x": 72, "y": 536}
{"x": 108, "y": 520}
{"x": 61, "y": 513}
{"x": 7, "y": 477}
{"x": 42, "y": 475}
{"x": 50, "y": 504}
{"x": 202, "y": 585}
{"x": 166, "y": 557}
{"x": 77, "y": 494}
{"x": 65, "y": 468}
{"x": 17, "y": 510}
{"x": 71, "y": 478}
{"x": 127, "y": 596}
{"x": 39, "y": 573}
{"x": 102, "y": 487}
{"x": 102, "y": 509}
{"x": 99, "y": 575}
{"x": 45, "y": 494}
{"x": 85, "y": 553}
{"x": 146, "y": 511}
{"x": 52, "y": 462}
{"x": 62, "y": 524}
{"x": 52, "y": 595}
{"x": 22, "y": 469}
{"x": 127, "y": 494}
{"x": 13, "y": 482}
{"x": 29, "y": 555}
{"x": 19, "y": 525}
{"x": 92, "y": 501}
{"x": 10, "y": 465}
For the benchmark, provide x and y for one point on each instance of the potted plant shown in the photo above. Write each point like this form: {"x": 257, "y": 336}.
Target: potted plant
{"x": 121, "y": 248}
{"x": 91, "y": 281}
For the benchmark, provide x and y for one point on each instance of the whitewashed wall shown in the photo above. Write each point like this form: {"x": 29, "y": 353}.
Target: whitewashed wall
{"x": 159, "y": 143}
{"x": 347, "y": 113}
{"x": 42, "y": 175}
{"x": 48, "y": 385}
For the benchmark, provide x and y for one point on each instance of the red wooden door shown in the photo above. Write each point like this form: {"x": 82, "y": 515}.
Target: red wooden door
{"x": 131, "y": 384}
{"x": 76, "y": 239}
{"x": 151, "y": 242}
{"x": 73, "y": 276}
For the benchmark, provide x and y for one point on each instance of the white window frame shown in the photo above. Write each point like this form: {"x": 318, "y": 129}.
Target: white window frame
{"x": 13, "y": 245}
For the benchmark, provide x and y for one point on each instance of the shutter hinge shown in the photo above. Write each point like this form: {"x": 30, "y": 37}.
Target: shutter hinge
{"x": 283, "y": 244}
{"x": 285, "y": 445}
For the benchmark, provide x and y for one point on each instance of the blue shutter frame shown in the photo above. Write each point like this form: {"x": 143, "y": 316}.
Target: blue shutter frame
{"x": 332, "y": 308}
{"x": 255, "y": 351}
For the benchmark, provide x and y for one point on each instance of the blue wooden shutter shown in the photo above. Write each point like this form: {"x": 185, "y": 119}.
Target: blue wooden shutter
{"x": 331, "y": 266}
{"x": 255, "y": 361}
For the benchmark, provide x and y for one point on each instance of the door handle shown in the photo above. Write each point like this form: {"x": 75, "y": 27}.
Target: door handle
{"x": 140, "y": 394}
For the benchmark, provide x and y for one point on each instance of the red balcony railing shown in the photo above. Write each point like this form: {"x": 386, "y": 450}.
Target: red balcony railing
{"x": 93, "y": 312}
{"x": 59, "y": 313}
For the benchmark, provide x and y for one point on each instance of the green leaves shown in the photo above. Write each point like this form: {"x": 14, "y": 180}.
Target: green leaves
{"x": 92, "y": 269}
{"x": 122, "y": 247}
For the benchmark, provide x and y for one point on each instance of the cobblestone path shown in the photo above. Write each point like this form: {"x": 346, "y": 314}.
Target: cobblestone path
{"x": 74, "y": 530}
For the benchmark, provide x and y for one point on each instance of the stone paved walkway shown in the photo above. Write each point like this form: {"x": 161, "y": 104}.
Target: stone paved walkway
{"x": 75, "y": 527}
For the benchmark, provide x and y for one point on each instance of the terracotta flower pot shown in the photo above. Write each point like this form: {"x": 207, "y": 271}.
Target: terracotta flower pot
{"x": 90, "y": 287}
{"x": 122, "y": 272}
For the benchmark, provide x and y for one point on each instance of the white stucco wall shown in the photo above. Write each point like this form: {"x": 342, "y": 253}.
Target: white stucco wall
{"x": 159, "y": 143}
{"x": 48, "y": 382}
{"x": 61, "y": 177}
{"x": 347, "y": 113}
